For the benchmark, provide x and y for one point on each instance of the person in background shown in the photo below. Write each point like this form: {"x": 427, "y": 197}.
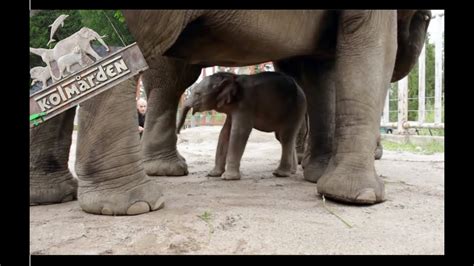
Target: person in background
{"x": 141, "y": 109}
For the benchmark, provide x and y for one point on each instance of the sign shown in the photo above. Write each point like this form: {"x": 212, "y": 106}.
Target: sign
{"x": 86, "y": 83}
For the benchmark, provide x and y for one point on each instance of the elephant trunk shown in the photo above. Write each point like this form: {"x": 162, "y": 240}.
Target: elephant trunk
{"x": 99, "y": 38}
{"x": 412, "y": 28}
{"x": 186, "y": 109}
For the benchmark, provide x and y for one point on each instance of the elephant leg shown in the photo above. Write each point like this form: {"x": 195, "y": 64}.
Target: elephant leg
{"x": 91, "y": 51}
{"x": 45, "y": 83}
{"x": 379, "y": 149}
{"x": 109, "y": 164}
{"x": 300, "y": 142}
{"x": 50, "y": 178}
{"x": 164, "y": 83}
{"x": 239, "y": 134}
{"x": 316, "y": 79}
{"x": 287, "y": 161}
{"x": 222, "y": 147}
{"x": 365, "y": 59}
{"x": 294, "y": 165}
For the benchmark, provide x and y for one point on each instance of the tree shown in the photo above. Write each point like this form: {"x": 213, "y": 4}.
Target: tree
{"x": 110, "y": 23}
{"x": 102, "y": 21}
{"x": 40, "y": 32}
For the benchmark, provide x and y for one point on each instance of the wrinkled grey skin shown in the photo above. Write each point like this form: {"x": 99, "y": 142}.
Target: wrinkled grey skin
{"x": 301, "y": 139}
{"x": 344, "y": 61}
{"x": 269, "y": 101}
{"x": 108, "y": 160}
{"x": 50, "y": 179}
{"x": 111, "y": 179}
{"x": 302, "y": 143}
{"x": 341, "y": 59}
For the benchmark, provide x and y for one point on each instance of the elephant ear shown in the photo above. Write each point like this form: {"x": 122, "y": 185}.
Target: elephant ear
{"x": 228, "y": 91}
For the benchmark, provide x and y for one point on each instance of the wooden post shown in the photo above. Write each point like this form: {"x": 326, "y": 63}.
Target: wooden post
{"x": 402, "y": 105}
{"x": 421, "y": 87}
{"x": 438, "y": 70}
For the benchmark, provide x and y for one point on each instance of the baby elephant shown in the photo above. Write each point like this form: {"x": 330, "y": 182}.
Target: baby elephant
{"x": 269, "y": 101}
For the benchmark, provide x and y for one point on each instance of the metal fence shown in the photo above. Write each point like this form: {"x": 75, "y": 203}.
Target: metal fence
{"x": 402, "y": 123}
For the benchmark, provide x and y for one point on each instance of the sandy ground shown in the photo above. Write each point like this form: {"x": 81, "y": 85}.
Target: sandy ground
{"x": 259, "y": 214}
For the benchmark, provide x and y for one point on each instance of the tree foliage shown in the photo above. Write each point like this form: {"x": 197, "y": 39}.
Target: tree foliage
{"x": 99, "y": 20}
{"x": 104, "y": 22}
{"x": 40, "y": 32}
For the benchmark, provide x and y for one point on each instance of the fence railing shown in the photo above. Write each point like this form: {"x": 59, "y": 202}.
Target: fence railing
{"x": 211, "y": 118}
{"x": 403, "y": 124}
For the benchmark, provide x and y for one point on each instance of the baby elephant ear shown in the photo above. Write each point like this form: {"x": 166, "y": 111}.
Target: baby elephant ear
{"x": 228, "y": 91}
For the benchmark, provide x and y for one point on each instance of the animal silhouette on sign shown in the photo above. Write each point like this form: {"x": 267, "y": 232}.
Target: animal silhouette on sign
{"x": 54, "y": 27}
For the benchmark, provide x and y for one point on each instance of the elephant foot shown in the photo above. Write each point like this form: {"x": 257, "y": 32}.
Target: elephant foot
{"x": 352, "y": 184}
{"x": 53, "y": 190}
{"x": 180, "y": 157}
{"x": 113, "y": 198}
{"x": 314, "y": 168}
{"x": 174, "y": 165}
{"x": 231, "y": 175}
{"x": 282, "y": 173}
{"x": 215, "y": 173}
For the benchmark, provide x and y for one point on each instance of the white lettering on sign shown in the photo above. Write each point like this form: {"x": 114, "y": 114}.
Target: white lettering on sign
{"x": 81, "y": 85}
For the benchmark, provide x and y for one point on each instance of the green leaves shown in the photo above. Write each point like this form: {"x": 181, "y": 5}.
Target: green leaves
{"x": 102, "y": 21}
{"x": 119, "y": 16}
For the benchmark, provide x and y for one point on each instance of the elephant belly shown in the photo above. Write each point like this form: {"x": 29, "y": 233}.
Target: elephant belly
{"x": 253, "y": 39}
{"x": 270, "y": 122}
{"x": 265, "y": 125}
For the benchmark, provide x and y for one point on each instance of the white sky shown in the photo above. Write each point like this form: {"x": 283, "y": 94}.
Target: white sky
{"x": 435, "y": 27}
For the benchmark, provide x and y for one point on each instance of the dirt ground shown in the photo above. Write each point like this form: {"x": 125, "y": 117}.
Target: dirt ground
{"x": 259, "y": 214}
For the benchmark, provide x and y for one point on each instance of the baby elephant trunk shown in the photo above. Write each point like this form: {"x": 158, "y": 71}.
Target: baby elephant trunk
{"x": 183, "y": 117}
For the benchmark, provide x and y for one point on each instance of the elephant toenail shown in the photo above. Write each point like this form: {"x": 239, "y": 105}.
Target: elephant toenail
{"x": 107, "y": 211}
{"x": 138, "y": 207}
{"x": 366, "y": 196}
{"x": 160, "y": 203}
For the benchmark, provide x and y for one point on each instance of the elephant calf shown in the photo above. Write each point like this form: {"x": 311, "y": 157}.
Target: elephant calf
{"x": 269, "y": 101}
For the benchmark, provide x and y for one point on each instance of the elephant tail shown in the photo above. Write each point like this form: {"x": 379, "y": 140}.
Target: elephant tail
{"x": 412, "y": 27}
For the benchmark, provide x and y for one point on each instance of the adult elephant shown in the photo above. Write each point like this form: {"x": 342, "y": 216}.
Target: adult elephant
{"x": 111, "y": 179}
{"x": 341, "y": 59}
{"x": 344, "y": 60}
